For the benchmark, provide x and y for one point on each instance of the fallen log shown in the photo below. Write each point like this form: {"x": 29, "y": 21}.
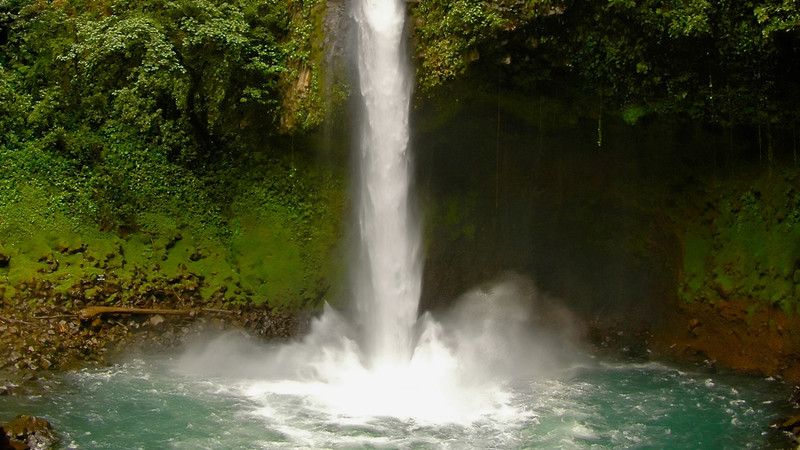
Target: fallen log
{"x": 216, "y": 311}
{"x": 91, "y": 311}
{"x": 10, "y": 320}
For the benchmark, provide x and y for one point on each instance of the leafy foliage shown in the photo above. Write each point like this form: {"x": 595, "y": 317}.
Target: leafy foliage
{"x": 161, "y": 118}
{"x": 136, "y": 96}
{"x": 450, "y": 34}
{"x": 724, "y": 61}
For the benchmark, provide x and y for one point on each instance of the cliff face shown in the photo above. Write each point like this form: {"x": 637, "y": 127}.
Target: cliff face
{"x": 663, "y": 225}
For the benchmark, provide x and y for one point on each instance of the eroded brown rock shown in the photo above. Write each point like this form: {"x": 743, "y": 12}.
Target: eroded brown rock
{"x": 30, "y": 432}
{"x": 731, "y": 334}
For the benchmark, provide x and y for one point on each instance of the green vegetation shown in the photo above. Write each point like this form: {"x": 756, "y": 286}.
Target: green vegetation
{"x": 166, "y": 139}
{"x": 273, "y": 243}
{"x": 144, "y": 140}
{"x": 726, "y": 62}
{"x": 746, "y": 246}
{"x": 727, "y": 66}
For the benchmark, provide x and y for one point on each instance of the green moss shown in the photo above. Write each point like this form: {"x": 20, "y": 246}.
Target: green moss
{"x": 454, "y": 217}
{"x": 632, "y": 114}
{"x": 270, "y": 264}
{"x": 125, "y": 186}
{"x": 696, "y": 254}
{"x": 781, "y": 293}
{"x": 748, "y": 251}
{"x": 724, "y": 284}
{"x": 276, "y": 248}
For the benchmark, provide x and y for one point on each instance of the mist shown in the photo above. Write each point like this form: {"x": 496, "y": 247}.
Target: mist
{"x": 464, "y": 360}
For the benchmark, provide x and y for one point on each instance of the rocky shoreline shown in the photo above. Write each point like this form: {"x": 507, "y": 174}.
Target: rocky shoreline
{"x": 38, "y": 337}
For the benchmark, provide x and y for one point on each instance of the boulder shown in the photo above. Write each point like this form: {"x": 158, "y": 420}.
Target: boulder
{"x": 794, "y": 399}
{"x": 7, "y": 444}
{"x": 156, "y": 320}
{"x": 31, "y": 432}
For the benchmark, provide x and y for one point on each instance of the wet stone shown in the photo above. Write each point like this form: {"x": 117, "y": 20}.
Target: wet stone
{"x": 31, "y": 430}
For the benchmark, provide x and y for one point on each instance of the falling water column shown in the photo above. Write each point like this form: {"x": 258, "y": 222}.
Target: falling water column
{"x": 388, "y": 274}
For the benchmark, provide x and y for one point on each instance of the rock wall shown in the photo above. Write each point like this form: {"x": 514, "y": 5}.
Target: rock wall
{"x": 661, "y": 225}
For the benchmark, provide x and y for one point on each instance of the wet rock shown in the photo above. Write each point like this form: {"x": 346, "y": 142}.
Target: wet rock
{"x": 6, "y": 388}
{"x": 156, "y": 320}
{"x": 790, "y": 426}
{"x": 724, "y": 287}
{"x": 695, "y": 327}
{"x": 37, "y": 333}
{"x": 7, "y": 444}
{"x": 96, "y": 324}
{"x": 196, "y": 256}
{"x": 794, "y": 399}
{"x": 32, "y": 431}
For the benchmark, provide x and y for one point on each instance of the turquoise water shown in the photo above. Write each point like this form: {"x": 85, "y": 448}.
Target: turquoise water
{"x": 151, "y": 403}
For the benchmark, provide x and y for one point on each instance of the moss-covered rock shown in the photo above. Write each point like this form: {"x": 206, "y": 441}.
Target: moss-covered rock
{"x": 747, "y": 250}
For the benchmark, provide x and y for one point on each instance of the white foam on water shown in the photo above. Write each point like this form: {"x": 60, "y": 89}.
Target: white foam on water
{"x": 465, "y": 370}
{"x": 591, "y": 407}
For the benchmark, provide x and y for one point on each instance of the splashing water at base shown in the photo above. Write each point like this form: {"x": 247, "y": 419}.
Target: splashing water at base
{"x": 460, "y": 370}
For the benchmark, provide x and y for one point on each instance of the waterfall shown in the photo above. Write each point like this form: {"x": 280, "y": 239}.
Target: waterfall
{"x": 433, "y": 370}
{"x": 388, "y": 274}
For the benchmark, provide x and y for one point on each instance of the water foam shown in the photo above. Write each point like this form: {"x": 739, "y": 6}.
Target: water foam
{"x": 462, "y": 368}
